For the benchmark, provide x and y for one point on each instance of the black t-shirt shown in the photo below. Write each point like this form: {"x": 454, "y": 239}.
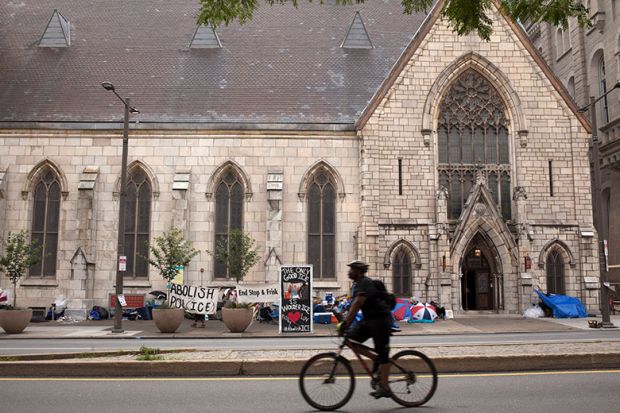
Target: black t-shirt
{"x": 373, "y": 307}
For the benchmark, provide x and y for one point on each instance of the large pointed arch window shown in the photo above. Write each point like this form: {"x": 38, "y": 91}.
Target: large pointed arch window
{"x": 137, "y": 223}
{"x": 228, "y": 213}
{"x": 473, "y": 139}
{"x": 401, "y": 273}
{"x": 555, "y": 273}
{"x": 322, "y": 226}
{"x": 45, "y": 220}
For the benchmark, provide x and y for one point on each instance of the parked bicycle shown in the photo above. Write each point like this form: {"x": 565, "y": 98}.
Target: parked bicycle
{"x": 327, "y": 380}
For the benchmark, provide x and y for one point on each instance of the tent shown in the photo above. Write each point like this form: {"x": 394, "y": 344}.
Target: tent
{"x": 402, "y": 310}
{"x": 423, "y": 313}
{"x": 563, "y": 306}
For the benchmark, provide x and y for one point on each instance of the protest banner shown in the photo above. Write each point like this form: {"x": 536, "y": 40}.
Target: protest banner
{"x": 258, "y": 293}
{"x": 195, "y": 300}
{"x": 296, "y": 298}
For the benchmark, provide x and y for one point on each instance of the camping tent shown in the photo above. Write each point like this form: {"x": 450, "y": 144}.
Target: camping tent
{"x": 563, "y": 306}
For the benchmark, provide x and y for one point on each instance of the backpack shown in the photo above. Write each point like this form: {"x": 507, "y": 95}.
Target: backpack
{"x": 388, "y": 298}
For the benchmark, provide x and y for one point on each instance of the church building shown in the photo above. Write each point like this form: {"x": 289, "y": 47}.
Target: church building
{"x": 456, "y": 167}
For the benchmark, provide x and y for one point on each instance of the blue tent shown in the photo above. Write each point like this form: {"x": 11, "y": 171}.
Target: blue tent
{"x": 563, "y": 306}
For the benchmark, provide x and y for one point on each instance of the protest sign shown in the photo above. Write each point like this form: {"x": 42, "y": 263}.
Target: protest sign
{"x": 195, "y": 300}
{"x": 296, "y": 298}
{"x": 258, "y": 293}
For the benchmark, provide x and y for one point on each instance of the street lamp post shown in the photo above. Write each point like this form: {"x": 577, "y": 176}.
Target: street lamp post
{"x": 596, "y": 165}
{"x": 118, "y": 314}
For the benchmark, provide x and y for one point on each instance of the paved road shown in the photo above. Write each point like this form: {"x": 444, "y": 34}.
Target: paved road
{"x": 29, "y": 346}
{"x": 565, "y": 391}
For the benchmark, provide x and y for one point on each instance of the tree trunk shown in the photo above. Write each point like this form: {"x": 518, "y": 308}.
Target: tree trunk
{"x": 14, "y": 293}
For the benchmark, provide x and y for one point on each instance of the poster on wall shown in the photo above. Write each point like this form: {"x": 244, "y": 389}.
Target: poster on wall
{"x": 296, "y": 299}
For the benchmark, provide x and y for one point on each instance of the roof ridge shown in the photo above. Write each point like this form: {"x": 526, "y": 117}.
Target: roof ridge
{"x": 357, "y": 36}
{"x": 57, "y": 32}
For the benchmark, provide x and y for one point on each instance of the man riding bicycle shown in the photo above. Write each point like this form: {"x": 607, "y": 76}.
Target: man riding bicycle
{"x": 376, "y": 323}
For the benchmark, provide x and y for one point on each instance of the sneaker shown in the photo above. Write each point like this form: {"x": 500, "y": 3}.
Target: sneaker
{"x": 381, "y": 392}
{"x": 396, "y": 329}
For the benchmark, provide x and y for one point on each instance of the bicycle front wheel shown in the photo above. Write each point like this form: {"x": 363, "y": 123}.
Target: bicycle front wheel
{"x": 413, "y": 378}
{"x": 326, "y": 381}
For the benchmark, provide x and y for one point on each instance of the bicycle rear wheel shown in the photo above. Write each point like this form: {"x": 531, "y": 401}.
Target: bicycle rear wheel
{"x": 413, "y": 378}
{"x": 326, "y": 381}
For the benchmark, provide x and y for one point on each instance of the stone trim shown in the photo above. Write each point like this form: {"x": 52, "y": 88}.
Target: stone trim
{"x": 412, "y": 251}
{"x": 40, "y": 169}
{"x": 150, "y": 174}
{"x": 219, "y": 172}
{"x": 556, "y": 243}
{"x": 312, "y": 170}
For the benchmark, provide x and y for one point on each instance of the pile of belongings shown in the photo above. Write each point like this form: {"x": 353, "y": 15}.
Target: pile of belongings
{"x": 563, "y": 306}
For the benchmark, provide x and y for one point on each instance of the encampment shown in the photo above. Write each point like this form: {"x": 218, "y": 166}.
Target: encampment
{"x": 563, "y": 306}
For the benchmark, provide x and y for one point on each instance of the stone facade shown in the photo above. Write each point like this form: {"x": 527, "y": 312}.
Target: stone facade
{"x": 575, "y": 55}
{"x": 387, "y": 183}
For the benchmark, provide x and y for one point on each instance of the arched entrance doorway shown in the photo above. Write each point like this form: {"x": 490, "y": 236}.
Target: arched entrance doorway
{"x": 478, "y": 281}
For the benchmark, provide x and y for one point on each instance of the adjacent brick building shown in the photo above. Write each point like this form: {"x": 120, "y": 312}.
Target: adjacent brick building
{"x": 456, "y": 167}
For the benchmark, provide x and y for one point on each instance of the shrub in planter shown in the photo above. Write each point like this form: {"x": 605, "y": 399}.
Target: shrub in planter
{"x": 19, "y": 255}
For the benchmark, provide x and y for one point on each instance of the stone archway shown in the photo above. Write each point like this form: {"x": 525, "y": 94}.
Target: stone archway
{"x": 480, "y": 283}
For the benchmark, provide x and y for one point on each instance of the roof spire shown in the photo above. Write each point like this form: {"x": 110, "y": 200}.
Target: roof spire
{"x": 205, "y": 37}
{"x": 57, "y": 33}
{"x": 357, "y": 37}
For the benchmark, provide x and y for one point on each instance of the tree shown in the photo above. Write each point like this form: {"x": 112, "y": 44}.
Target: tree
{"x": 171, "y": 251}
{"x": 237, "y": 253}
{"x": 465, "y": 16}
{"x": 18, "y": 257}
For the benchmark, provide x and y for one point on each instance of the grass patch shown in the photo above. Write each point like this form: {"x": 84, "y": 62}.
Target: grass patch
{"x": 148, "y": 354}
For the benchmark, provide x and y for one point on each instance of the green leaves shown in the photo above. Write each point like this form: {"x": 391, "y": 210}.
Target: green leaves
{"x": 237, "y": 253}
{"x": 170, "y": 251}
{"x": 19, "y": 255}
{"x": 465, "y": 16}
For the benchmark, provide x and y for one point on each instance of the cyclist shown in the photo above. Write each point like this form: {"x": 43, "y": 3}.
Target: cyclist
{"x": 376, "y": 323}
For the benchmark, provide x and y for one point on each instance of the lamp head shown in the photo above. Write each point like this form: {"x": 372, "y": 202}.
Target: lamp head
{"x": 108, "y": 86}
{"x": 133, "y": 111}
{"x": 617, "y": 85}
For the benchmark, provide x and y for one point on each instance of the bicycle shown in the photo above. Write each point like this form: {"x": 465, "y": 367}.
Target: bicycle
{"x": 330, "y": 374}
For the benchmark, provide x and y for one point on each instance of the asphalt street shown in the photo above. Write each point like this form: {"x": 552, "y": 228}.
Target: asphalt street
{"x": 66, "y": 345}
{"x": 561, "y": 391}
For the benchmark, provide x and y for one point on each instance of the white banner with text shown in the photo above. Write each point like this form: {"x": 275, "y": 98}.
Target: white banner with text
{"x": 195, "y": 300}
{"x": 258, "y": 293}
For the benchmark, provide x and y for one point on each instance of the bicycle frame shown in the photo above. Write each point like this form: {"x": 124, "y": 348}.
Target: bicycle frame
{"x": 355, "y": 347}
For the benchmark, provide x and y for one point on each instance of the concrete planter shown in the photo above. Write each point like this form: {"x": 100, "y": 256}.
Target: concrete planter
{"x": 237, "y": 319}
{"x": 15, "y": 321}
{"x": 168, "y": 320}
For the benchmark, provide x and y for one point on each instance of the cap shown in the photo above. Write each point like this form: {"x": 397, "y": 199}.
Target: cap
{"x": 357, "y": 264}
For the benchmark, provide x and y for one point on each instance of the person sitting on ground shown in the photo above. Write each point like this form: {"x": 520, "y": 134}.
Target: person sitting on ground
{"x": 199, "y": 318}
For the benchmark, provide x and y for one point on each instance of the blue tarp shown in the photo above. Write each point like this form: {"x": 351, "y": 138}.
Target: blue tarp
{"x": 563, "y": 306}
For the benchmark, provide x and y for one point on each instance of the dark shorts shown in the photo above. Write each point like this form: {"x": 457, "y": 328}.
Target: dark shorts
{"x": 380, "y": 330}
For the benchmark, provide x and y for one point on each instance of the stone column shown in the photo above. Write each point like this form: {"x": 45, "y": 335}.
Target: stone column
{"x": 525, "y": 283}
{"x": 449, "y": 282}
{"x": 275, "y": 183}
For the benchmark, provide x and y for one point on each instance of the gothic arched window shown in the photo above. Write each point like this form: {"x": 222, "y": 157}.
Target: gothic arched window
{"x": 228, "y": 213}
{"x": 473, "y": 139}
{"x": 401, "y": 273}
{"x": 602, "y": 79}
{"x": 137, "y": 223}
{"x": 555, "y": 273}
{"x": 322, "y": 226}
{"x": 45, "y": 220}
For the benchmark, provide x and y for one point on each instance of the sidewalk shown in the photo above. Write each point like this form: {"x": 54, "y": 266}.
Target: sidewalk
{"x": 449, "y": 358}
{"x": 216, "y": 329}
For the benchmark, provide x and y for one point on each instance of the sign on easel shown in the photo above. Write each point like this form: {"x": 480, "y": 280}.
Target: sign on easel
{"x": 296, "y": 299}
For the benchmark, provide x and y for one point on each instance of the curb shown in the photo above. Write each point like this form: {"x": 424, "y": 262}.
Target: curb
{"x": 210, "y": 368}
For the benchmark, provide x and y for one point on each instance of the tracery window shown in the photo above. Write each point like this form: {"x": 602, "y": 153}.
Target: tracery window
{"x": 322, "y": 226}
{"x": 137, "y": 223}
{"x": 401, "y": 273}
{"x": 45, "y": 220}
{"x": 228, "y": 214}
{"x": 555, "y": 273}
{"x": 473, "y": 139}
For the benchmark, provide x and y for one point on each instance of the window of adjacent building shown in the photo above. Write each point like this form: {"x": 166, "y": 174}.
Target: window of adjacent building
{"x": 229, "y": 197}
{"x": 137, "y": 223}
{"x": 571, "y": 87}
{"x": 45, "y": 220}
{"x": 555, "y": 272}
{"x": 473, "y": 139}
{"x": 401, "y": 273}
{"x": 322, "y": 225}
{"x": 602, "y": 90}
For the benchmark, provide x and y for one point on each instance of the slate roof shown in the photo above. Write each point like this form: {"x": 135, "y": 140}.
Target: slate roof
{"x": 285, "y": 66}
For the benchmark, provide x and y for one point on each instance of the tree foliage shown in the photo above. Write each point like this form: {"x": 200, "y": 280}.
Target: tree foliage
{"x": 237, "y": 253}
{"x": 465, "y": 16}
{"x": 170, "y": 251}
{"x": 19, "y": 255}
